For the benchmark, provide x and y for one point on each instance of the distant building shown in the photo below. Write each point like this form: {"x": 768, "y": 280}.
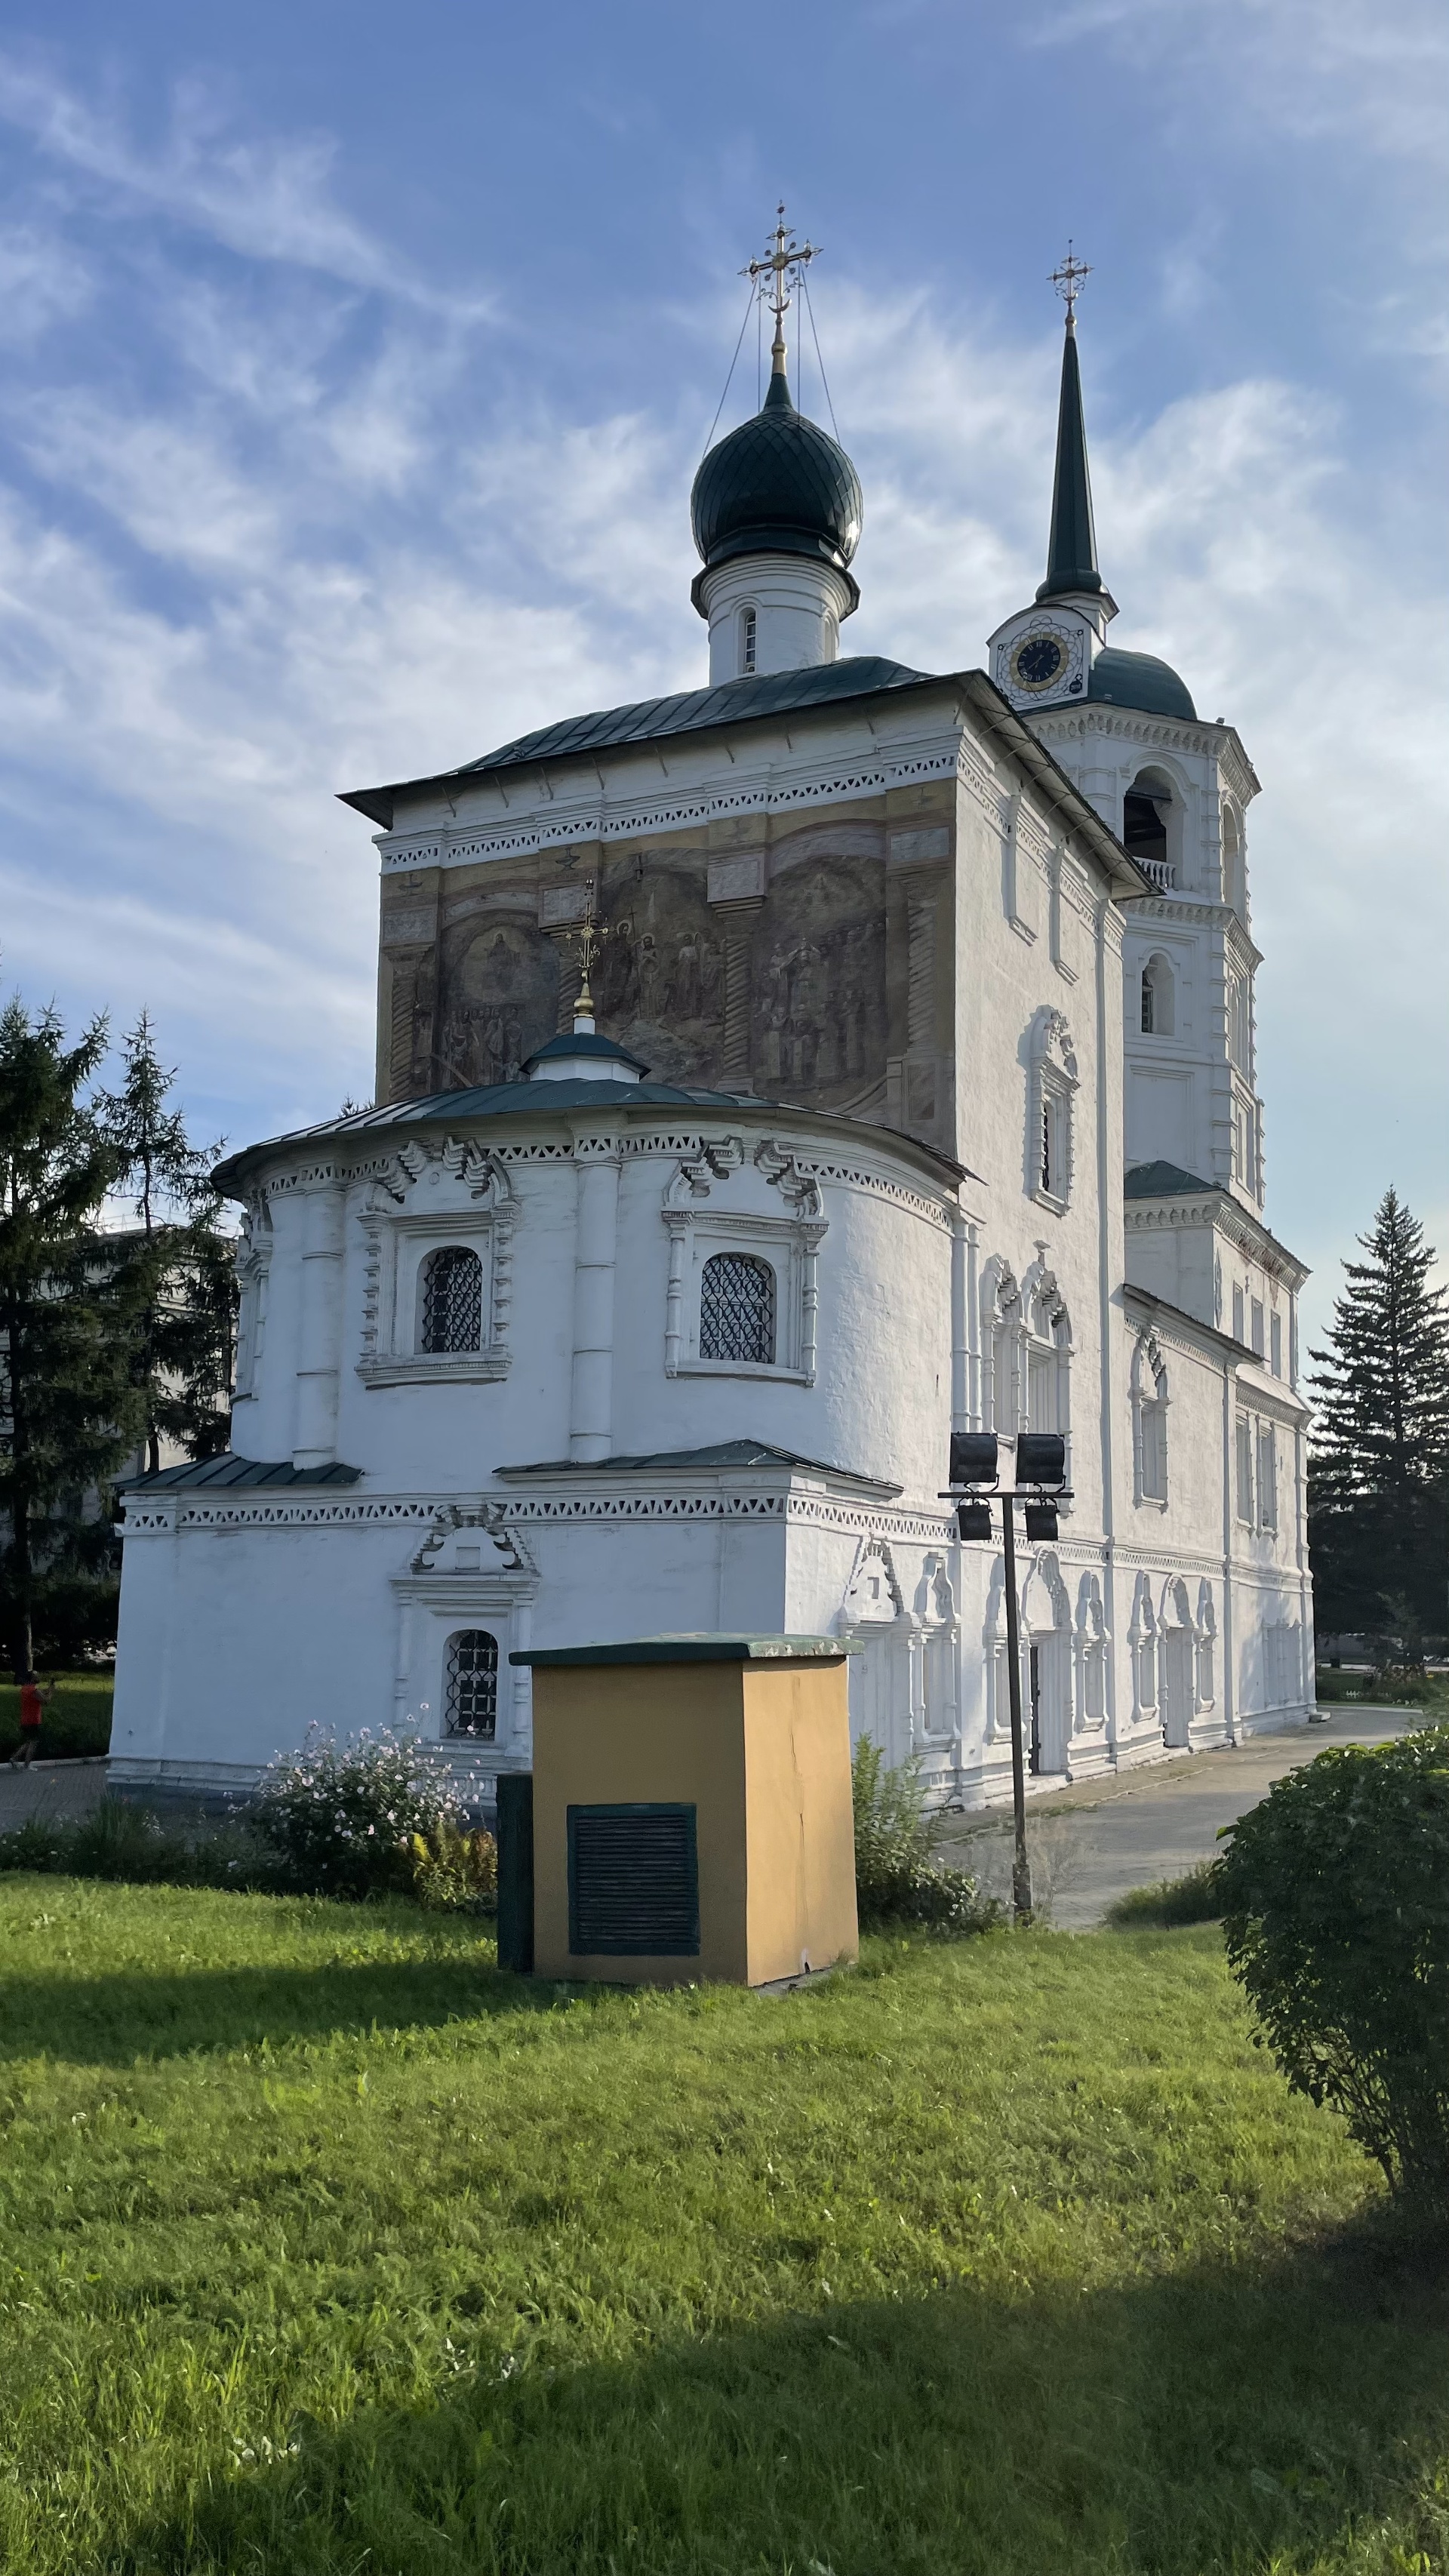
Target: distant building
{"x": 913, "y": 1087}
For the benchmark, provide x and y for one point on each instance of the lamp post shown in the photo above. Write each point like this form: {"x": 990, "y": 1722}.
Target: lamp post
{"x": 1041, "y": 1472}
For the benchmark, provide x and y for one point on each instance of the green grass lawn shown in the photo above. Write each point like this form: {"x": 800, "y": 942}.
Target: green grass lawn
{"x": 78, "y": 1719}
{"x": 328, "y": 2248}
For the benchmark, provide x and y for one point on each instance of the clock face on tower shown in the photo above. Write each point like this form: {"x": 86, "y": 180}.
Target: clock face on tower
{"x": 1037, "y": 661}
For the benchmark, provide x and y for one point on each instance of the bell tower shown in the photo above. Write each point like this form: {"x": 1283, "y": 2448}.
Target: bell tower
{"x": 1176, "y": 790}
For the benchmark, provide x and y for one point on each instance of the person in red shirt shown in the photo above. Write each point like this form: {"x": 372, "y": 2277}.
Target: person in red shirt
{"x": 34, "y": 1701}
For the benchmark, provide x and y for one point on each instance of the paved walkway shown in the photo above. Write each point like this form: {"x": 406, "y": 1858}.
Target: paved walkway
{"x": 57, "y": 1789}
{"x": 1090, "y": 1844}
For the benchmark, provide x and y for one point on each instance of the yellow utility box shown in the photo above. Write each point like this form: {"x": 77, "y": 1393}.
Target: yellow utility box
{"x": 691, "y": 1810}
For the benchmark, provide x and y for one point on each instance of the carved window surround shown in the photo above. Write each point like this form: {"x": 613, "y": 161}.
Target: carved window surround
{"x": 472, "y": 1571}
{"x": 789, "y": 1242}
{"x": 409, "y": 1213}
{"x": 1149, "y": 1398}
{"x": 1052, "y": 1083}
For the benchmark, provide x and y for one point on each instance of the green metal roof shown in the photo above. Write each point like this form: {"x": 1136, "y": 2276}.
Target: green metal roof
{"x": 230, "y": 1471}
{"x": 1141, "y": 681}
{"x": 772, "y": 693}
{"x": 700, "y": 1646}
{"x": 575, "y": 1042}
{"x": 721, "y": 1453}
{"x": 1162, "y": 1181}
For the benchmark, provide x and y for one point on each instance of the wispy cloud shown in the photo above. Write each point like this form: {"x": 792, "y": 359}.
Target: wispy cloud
{"x": 1372, "y": 68}
{"x": 266, "y": 199}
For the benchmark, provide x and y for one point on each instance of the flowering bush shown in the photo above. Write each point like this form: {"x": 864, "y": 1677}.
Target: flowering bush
{"x": 342, "y": 1817}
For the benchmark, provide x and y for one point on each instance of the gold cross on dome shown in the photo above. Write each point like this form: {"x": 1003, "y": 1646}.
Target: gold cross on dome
{"x": 1068, "y": 281}
{"x": 784, "y": 262}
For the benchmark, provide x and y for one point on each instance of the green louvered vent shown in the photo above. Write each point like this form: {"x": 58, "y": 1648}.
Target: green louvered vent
{"x": 633, "y": 1882}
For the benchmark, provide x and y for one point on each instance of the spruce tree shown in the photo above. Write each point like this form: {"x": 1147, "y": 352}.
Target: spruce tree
{"x": 183, "y": 1262}
{"x": 70, "y": 1407}
{"x": 1378, "y": 1489}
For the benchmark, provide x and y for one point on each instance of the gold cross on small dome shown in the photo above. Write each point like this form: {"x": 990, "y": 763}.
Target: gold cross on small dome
{"x": 784, "y": 262}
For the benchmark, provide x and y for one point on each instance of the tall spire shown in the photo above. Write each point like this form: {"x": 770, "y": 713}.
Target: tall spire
{"x": 1072, "y": 551}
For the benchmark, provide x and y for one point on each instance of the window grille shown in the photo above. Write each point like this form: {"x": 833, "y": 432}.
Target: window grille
{"x": 1147, "y": 1002}
{"x": 453, "y": 1300}
{"x": 737, "y": 1309}
{"x": 471, "y": 1703}
{"x": 749, "y": 631}
{"x": 1276, "y": 1344}
{"x": 1048, "y": 1158}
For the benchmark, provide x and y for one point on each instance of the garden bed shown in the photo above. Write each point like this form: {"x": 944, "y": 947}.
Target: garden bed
{"x": 328, "y": 2247}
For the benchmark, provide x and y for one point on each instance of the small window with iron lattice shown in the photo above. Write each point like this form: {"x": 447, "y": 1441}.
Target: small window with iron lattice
{"x": 737, "y": 1310}
{"x": 470, "y": 1705}
{"x": 452, "y": 1304}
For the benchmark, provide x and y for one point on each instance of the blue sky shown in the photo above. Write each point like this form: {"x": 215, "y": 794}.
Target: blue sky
{"x": 354, "y": 361}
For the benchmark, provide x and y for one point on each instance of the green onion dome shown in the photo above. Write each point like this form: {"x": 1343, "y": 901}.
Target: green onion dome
{"x": 1140, "y": 681}
{"x": 777, "y": 485}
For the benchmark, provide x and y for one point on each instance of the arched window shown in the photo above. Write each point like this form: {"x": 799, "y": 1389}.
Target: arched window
{"x": 1149, "y": 1422}
{"x": 737, "y": 1309}
{"x": 749, "y": 639}
{"x": 1052, "y": 1082}
{"x": 1159, "y": 998}
{"x": 1000, "y": 1348}
{"x": 470, "y": 1703}
{"x": 452, "y": 1300}
{"x": 1148, "y": 819}
{"x": 1048, "y": 1359}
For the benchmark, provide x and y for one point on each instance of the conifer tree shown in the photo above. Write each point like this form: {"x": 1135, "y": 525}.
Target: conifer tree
{"x": 182, "y": 1351}
{"x": 1378, "y": 1489}
{"x": 69, "y": 1411}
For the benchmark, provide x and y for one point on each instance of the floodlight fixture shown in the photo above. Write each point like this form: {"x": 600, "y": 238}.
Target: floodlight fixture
{"x": 974, "y": 1458}
{"x": 1041, "y": 1459}
{"x": 973, "y": 1519}
{"x": 1041, "y": 1520}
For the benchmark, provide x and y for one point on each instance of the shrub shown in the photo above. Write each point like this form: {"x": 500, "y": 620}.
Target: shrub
{"x": 1402, "y": 1686}
{"x": 341, "y": 1817}
{"x": 119, "y": 1841}
{"x": 455, "y": 1869}
{"x": 897, "y": 1877}
{"x": 1336, "y": 1902}
{"x": 1196, "y": 1897}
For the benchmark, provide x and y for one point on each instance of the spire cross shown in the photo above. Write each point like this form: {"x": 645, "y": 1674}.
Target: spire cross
{"x": 784, "y": 263}
{"x": 1068, "y": 282}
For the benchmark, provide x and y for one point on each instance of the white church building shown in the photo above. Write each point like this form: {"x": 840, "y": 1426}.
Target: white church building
{"x": 910, "y": 1087}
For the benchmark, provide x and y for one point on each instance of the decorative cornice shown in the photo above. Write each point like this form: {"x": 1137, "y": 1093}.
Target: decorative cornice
{"x": 763, "y": 783}
{"x": 1168, "y": 733}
